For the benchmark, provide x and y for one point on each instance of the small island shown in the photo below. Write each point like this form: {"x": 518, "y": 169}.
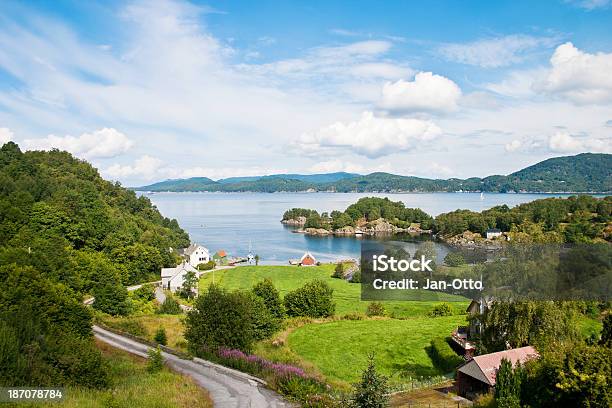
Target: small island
{"x": 575, "y": 219}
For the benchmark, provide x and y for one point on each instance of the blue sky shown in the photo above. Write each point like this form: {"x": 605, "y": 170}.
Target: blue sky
{"x": 165, "y": 89}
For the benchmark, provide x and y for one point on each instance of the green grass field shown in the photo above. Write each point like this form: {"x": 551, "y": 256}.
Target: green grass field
{"x": 132, "y": 386}
{"x": 346, "y": 295}
{"x": 339, "y": 349}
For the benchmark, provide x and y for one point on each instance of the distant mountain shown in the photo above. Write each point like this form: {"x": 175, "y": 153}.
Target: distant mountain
{"x": 310, "y": 178}
{"x": 587, "y": 172}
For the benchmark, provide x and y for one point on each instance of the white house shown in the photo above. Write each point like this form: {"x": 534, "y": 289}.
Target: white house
{"x": 493, "y": 233}
{"x": 196, "y": 254}
{"x": 172, "y": 278}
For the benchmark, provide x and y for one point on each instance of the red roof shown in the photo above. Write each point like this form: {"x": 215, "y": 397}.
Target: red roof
{"x": 489, "y": 363}
{"x": 221, "y": 253}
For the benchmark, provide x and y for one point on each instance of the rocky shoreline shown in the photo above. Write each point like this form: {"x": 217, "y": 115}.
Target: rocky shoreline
{"x": 376, "y": 227}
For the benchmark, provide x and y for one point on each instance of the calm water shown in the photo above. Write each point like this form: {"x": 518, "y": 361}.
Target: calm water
{"x": 231, "y": 221}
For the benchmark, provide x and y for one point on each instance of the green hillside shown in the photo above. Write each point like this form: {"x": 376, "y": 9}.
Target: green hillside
{"x": 65, "y": 234}
{"x": 587, "y": 172}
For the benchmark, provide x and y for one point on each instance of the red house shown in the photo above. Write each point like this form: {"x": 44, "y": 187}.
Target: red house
{"x": 307, "y": 260}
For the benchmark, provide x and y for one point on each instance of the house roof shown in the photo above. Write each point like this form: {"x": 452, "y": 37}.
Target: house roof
{"x": 484, "y": 367}
{"x": 493, "y": 230}
{"x": 172, "y": 272}
{"x": 306, "y": 255}
{"x": 221, "y": 253}
{"x": 192, "y": 248}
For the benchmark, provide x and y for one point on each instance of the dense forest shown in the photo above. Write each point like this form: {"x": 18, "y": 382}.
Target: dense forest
{"x": 576, "y": 219}
{"x": 66, "y": 233}
{"x": 587, "y": 172}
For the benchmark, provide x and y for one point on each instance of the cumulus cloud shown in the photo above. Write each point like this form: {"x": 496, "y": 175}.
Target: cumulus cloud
{"x": 145, "y": 167}
{"x": 579, "y": 76}
{"x": 563, "y": 142}
{"x": 513, "y": 146}
{"x": 5, "y": 135}
{"x": 494, "y": 52}
{"x": 426, "y": 93}
{"x": 102, "y": 143}
{"x": 332, "y": 166}
{"x": 371, "y": 136}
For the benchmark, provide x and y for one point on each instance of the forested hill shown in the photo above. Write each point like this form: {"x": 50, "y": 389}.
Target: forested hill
{"x": 66, "y": 233}
{"x": 587, "y": 172}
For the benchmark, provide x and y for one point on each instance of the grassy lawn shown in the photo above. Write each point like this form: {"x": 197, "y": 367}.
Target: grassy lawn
{"x": 145, "y": 326}
{"x": 287, "y": 278}
{"x": 132, "y": 386}
{"x": 339, "y": 349}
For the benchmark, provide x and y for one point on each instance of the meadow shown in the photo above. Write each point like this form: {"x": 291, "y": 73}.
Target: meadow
{"x": 346, "y": 295}
{"x": 133, "y": 386}
{"x": 340, "y": 349}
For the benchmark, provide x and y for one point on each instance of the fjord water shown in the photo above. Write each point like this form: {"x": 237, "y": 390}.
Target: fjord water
{"x": 232, "y": 221}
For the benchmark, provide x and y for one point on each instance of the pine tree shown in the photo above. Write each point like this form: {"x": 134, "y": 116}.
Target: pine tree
{"x": 373, "y": 390}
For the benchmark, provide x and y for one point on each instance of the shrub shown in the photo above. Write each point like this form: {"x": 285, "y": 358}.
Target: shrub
{"x": 454, "y": 259}
{"x": 441, "y": 309}
{"x": 160, "y": 336}
{"x": 266, "y": 290}
{"x": 375, "y": 309}
{"x": 339, "y": 271}
{"x": 443, "y": 355}
{"x": 170, "y": 306}
{"x": 264, "y": 323}
{"x": 207, "y": 266}
{"x": 356, "y": 278}
{"x": 145, "y": 293}
{"x": 156, "y": 361}
{"x": 112, "y": 298}
{"x": 221, "y": 319}
{"x": 314, "y": 299}
{"x": 373, "y": 390}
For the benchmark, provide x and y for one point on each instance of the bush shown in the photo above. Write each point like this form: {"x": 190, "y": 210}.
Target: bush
{"x": 339, "y": 271}
{"x": 454, "y": 259}
{"x": 441, "y": 309}
{"x": 375, "y": 309}
{"x": 266, "y": 291}
{"x": 112, "y": 298}
{"x": 144, "y": 293}
{"x": 221, "y": 319}
{"x": 207, "y": 266}
{"x": 314, "y": 299}
{"x": 443, "y": 355}
{"x": 356, "y": 278}
{"x": 170, "y": 306}
{"x": 264, "y": 323}
{"x": 156, "y": 361}
{"x": 160, "y": 337}
{"x": 373, "y": 390}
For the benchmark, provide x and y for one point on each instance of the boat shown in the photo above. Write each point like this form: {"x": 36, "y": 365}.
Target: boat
{"x": 482, "y": 196}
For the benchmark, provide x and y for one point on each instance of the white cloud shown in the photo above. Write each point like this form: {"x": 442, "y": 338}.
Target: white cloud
{"x": 494, "y": 52}
{"x": 146, "y": 167}
{"x": 513, "y": 146}
{"x": 102, "y": 143}
{"x": 6, "y": 135}
{"x": 440, "y": 170}
{"x": 371, "y": 136}
{"x": 563, "y": 142}
{"x": 590, "y": 4}
{"x": 427, "y": 93}
{"x": 581, "y": 77}
{"x": 336, "y": 165}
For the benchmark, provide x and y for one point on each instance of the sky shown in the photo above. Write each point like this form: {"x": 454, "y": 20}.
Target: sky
{"x": 152, "y": 90}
